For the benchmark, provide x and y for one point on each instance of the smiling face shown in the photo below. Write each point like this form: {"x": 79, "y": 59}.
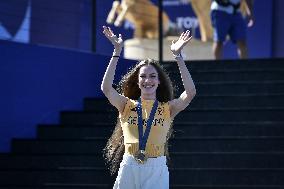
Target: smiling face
{"x": 148, "y": 81}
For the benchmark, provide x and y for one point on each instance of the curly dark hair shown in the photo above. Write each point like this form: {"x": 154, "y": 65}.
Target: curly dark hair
{"x": 128, "y": 86}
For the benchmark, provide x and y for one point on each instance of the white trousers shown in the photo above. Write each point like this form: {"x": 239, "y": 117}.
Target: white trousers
{"x": 152, "y": 174}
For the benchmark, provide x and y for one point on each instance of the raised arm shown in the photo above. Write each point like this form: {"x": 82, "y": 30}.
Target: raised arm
{"x": 183, "y": 101}
{"x": 113, "y": 96}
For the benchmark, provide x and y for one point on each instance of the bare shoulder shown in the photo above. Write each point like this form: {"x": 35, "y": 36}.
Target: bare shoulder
{"x": 117, "y": 100}
{"x": 173, "y": 104}
{"x": 178, "y": 104}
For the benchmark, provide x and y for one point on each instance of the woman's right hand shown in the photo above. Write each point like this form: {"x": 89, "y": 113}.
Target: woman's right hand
{"x": 116, "y": 41}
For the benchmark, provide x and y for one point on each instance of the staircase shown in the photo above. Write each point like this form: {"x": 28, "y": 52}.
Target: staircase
{"x": 230, "y": 137}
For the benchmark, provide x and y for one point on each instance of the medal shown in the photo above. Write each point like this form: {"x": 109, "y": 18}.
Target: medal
{"x": 140, "y": 156}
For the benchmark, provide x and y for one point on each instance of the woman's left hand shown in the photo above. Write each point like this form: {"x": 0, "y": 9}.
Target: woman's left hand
{"x": 117, "y": 42}
{"x": 177, "y": 45}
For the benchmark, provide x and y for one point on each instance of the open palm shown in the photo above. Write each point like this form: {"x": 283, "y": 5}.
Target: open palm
{"x": 116, "y": 41}
{"x": 177, "y": 45}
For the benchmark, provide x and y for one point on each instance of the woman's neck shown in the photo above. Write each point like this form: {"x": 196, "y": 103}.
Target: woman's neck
{"x": 148, "y": 97}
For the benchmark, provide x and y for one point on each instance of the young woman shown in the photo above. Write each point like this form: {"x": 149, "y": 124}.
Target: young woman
{"x": 146, "y": 110}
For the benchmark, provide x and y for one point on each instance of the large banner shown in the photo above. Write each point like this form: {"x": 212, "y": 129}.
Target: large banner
{"x": 68, "y": 24}
{"x": 180, "y": 12}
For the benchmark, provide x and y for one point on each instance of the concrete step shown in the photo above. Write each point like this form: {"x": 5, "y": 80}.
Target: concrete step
{"x": 187, "y": 144}
{"x": 180, "y": 130}
{"x": 177, "y": 160}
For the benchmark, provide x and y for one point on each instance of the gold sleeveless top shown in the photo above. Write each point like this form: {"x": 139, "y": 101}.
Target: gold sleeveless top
{"x": 159, "y": 130}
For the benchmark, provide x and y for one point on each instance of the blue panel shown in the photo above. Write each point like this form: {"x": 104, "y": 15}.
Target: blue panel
{"x": 38, "y": 82}
{"x": 278, "y": 29}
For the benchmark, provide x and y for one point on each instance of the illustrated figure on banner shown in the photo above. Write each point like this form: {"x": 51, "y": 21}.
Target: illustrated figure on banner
{"x": 142, "y": 13}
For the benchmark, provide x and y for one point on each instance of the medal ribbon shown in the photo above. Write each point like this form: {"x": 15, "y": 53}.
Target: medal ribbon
{"x": 143, "y": 138}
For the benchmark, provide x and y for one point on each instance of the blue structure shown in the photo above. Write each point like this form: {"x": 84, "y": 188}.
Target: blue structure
{"x": 37, "y": 82}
